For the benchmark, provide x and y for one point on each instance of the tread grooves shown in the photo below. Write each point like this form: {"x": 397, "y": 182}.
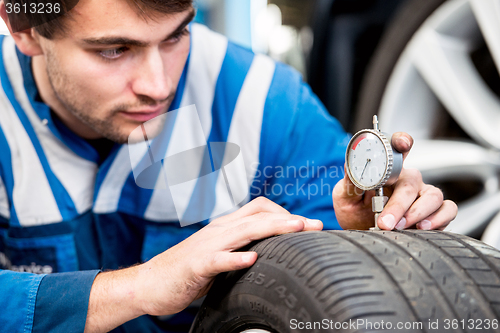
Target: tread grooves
{"x": 278, "y": 247}
{"x": 388, "y": 274}
{"x": 373, "y": 314}
{"x": 422, "y": 268}
{"x": 403, "y": 276}
{"x": 322, "y": 269}
{"x": 480, "y": 255}
{"x": 286, "y": 253}
{"x": 343, "y": 298}
{"x": 277, "y": 242}
{"x": 366, "y": 277}
{"x": 302, "y": 251}
{"x": 319, "y": 254}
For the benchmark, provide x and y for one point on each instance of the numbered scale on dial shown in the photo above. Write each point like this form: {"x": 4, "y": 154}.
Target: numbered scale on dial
{"x": 367, "y": 161}
{"x": 372, "y": 163}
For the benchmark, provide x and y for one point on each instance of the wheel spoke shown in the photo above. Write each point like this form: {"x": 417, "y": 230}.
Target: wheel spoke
{"x": 409, "y": 92}
{"x": 444, "y": 160}
{"x": 487, "y": 13}
{"x": 444, "y": 63}
{"x": 474, "y": 214}
{"x": 438, "y": 57}
{"x": 440, "y": 160}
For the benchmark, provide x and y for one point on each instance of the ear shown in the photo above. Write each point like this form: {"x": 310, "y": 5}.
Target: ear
{"x": 25, "y": 40}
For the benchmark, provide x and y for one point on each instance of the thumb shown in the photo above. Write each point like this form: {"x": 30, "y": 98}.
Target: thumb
{"x": 402, "y": 142}
{"x": 345, "y": 188}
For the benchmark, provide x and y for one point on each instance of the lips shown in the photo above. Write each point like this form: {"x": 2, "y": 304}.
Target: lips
{"x": 143, "y": 115}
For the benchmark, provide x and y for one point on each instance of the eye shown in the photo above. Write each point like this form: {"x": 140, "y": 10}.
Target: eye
{"x": 112, "y": 54}
{"x": 178, "y": 36}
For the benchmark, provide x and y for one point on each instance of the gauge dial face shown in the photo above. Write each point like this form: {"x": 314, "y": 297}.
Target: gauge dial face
{"x": 367, "y": 160}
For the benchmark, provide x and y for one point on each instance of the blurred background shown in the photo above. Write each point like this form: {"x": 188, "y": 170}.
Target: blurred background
{"x": 280, "y": 28}
{"x": 3, "y": 28}
{"x": 344, "y": 34}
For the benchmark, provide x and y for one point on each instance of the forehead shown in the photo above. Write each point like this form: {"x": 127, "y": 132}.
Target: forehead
{"x": 96, "y": 18}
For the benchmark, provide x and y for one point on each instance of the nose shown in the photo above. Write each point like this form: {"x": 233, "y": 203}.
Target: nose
{"x": 152, "y": 79}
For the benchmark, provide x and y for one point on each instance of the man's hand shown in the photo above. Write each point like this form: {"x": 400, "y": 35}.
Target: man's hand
{"x": 412, "y": 203}
{"x": 169, "y": 282}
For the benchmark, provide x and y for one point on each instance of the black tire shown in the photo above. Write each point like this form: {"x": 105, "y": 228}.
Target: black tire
{"x": 407, "y": 277}
{"x": 410, "y": 18}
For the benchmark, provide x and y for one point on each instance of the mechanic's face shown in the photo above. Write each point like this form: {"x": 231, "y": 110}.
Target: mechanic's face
{"x": 113, "y": 70}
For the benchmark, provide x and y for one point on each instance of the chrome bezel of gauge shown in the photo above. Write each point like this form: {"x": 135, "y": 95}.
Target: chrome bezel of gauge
{"x": 388, "y": 154}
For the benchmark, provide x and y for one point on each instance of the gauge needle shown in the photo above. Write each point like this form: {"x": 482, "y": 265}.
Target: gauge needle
{"x": 367, "y": 161}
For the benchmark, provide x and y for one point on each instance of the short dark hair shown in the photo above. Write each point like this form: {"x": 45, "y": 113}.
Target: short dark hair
{"x": 51, "y": 24}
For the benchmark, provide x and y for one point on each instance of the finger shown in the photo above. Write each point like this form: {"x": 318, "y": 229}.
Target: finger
{"x": 405, "y": 192}
{"x": 245, "y": 233}
{"x": 313, "y": 225}
{"x": 441, "y": 218}
{"x": 429, "y": 201}
{"x": 402, "y": 142}
{"x": 224, "y": 261}
{"x": 257, "y": 205}
{"x": 310, "y": 224}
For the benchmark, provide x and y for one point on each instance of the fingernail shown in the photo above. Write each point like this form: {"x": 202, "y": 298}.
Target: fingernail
{"x": 401, "y": 224}
{"x": 406, "y": 140}
{"x": 424, "y": 225}
{"x": 247, "y": 257}
{"x": 314, "y": 222}
{"x": 389, "y": 221}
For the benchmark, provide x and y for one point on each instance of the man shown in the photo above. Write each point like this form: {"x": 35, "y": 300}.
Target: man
{"x": 75, "y": 88}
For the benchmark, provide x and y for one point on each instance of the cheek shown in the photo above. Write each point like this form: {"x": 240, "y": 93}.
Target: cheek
{"x": 94, "y": 80}
{"x": 176, "y": 59}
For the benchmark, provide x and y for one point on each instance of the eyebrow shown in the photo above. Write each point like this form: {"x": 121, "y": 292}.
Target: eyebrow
{"x": 102, "y": 41}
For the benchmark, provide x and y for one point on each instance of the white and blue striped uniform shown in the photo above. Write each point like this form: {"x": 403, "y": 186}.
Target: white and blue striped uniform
{"x": 64, "y": 211}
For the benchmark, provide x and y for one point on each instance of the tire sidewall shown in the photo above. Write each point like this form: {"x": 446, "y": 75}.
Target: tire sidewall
{"x": 275, "y": 297}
